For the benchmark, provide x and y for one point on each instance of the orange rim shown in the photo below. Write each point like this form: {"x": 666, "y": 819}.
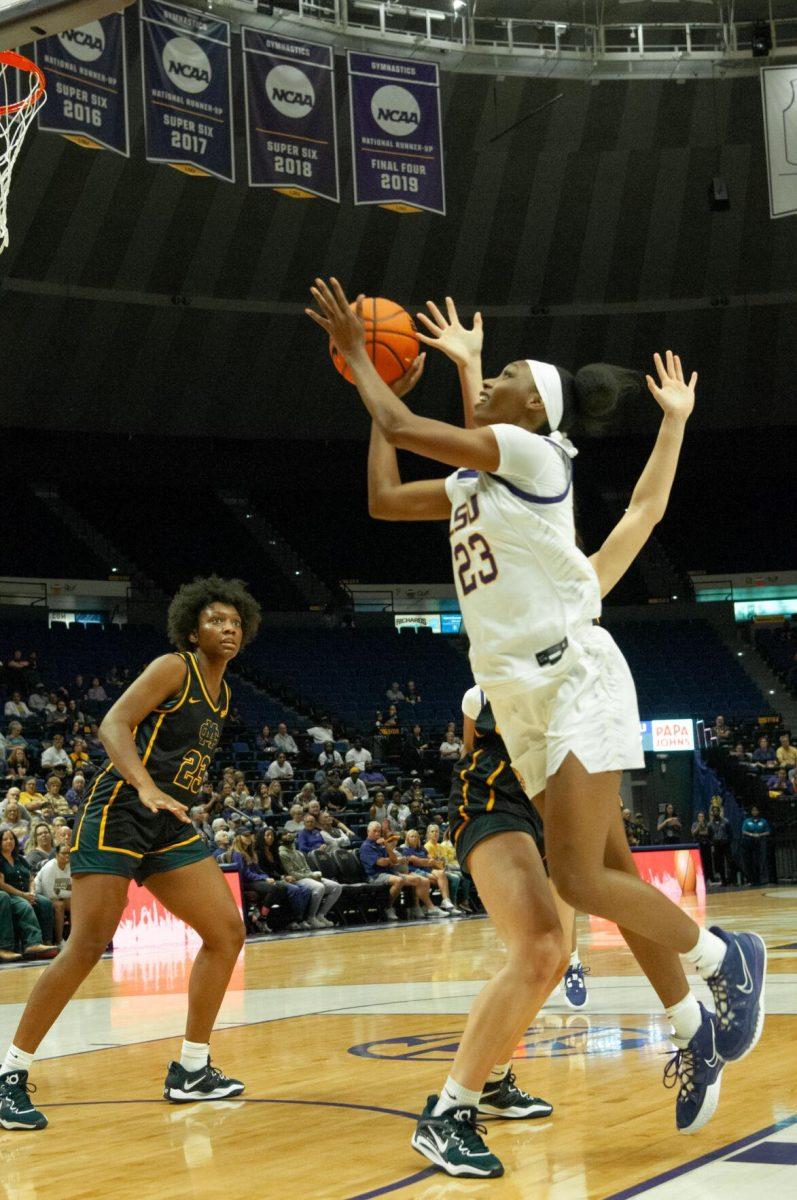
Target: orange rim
{"x": 10, "y": 58}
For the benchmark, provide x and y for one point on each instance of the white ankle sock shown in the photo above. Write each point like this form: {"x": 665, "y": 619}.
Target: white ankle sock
{"x": 16, "y": 1060}
{"x": 498, "y": 1072}
{"x": 194, "y": 1055}
{"x": 685, "y": 1017}
{"x": 455, "y": 1096}
{"x": 574, "y": 959}
{"x": 708, "y": 953}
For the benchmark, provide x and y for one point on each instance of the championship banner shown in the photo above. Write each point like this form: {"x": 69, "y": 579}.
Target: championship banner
{"x": 291, "y": 135}
{"x": 396, "y": 133}
{"x": 187, "y": 86}
{"x": 87, "y": 85}
{"x": 779, "y": 95}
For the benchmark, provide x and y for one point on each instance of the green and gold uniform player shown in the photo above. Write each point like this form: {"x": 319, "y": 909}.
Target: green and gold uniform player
{"x": 160, "y": 736}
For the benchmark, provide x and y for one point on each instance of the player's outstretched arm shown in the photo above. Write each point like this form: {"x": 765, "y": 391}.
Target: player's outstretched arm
{"x": 462, "y": 345}
{"x": 161, "y": 680}
{"x": 476, "y": 448}
{"x": 388, "y": 498}
{"x": 651, "y": 495}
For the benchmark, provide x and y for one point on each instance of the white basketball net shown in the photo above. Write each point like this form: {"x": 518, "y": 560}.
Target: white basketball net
{"x": 21, "y": 96}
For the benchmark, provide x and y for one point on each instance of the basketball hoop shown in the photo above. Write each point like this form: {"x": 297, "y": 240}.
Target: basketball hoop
{"x": 18, "y": 77}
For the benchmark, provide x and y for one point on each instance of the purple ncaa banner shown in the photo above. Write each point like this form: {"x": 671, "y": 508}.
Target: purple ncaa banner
{"x": 396, "y": 133}
{"x": 187, "y": 89}
{"x": 291, "y": 134}
{"x": 87, "y": 85}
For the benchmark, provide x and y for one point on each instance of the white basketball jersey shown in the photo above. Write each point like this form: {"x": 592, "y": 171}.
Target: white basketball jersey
{"x": 523, "y": 584}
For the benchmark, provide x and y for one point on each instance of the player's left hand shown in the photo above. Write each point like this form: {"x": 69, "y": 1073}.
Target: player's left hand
{"x": 673, "y": 395}
{"x": 343, "y": 323}
{"x": 403, "y": 387}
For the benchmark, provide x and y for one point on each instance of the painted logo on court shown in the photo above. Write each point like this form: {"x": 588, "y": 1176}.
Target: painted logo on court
{"x": 395, "y": 110}
{"x": 290, "y": 91}
{"x": 187, "y": 65}
{"x": 86, "y": 44}
{"x": 569, "y": 1040}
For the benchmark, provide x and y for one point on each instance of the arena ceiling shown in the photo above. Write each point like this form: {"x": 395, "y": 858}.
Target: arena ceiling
{"x": 133, "y": 297}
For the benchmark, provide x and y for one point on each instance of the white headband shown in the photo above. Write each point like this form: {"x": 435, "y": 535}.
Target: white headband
{"x": 548, "y": 383}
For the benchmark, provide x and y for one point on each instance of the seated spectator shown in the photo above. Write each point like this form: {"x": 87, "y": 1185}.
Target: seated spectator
{"x": 755, "y": 835}
{"x": 310, "y": 837}
{"x": 779, "y": 784}
{"x": 283, "y": 740}
{"x": 280, "y": 768}
{"x": 16, "y": 707}
{"x": 330, "y": 757}
{"x": 721, "y": 731}
{"x": 54, "y": 883}
{"x": 97, "y": 692}
{"x": 305, "y": 795}
{"x": 18, "y": 667}
{"x": 378, "y": 810}
{"x": 641, "y": 830}
{"x": 373, "y": 778}
{"x": 76, "y": 792}
{"x": 450, "y": 748}
{"x": 113, "y": 680}
{"x": 314, "y": 808}
{"x": 37, "y": 700}
{"x": 440, "y": 846}
{"x": 420, "y": 816}
{"x": 16, "y": 819}
{"x": 358, "y": 756}
{"x": 14, "y": 739}
{"x": 93, "y": 739}
{"x": 267, "y": 853}
{"x": 421, "y": 863}
{"x": 18, "y": 923}
{"x": 325, "y": 892}
{"x": 264, "y": 740}
{"x": 394, "y": 693}
{"x": 382, "y": 864}
{"x": 336, "y": 835}
{"x": 412, "y": 695}
{"x": 738, "y": 751}
{"x": 628, "y": 826}
{"x": 39, "y": 847}
{"x": 763, "y": 753}
{"x": 295, "y": 822}
{"x": 55, "y": 757}
{"x": 268, "y": 890}
{"x": 322, "y": 732}
{"x": 78, "y": 688}
{"x": 15, "y": 881}
{"x": 264, "y": 801}
{"x": 54, "y": 798}
{"x": 354, "y": 789}
{"x": 721, "y": 862}
{"x": 221, "y": 843}
{"x": 79, "y": 756}
{"x": 398, "y": 815}
{"x": 669, "y": 827}
{"x": 58, "y": 719}
{"x": 332, "y": 795}
{"x": 786, "y": 754}
{"x": 62, "y": 834}
{"x": 76, "y": 716}
{"x": 30, "y": 796}
{"x": 278, "y": 801}
{"x": 415, "y": 750}
{"x": 701, "y": 833}
{"x": 414, "y": 793}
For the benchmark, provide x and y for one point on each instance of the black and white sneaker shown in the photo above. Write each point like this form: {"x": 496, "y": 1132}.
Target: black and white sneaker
{"x": 453, "y": 1141}
{"x": 505, "y": 1099}
{"x": 208, "y": 1083}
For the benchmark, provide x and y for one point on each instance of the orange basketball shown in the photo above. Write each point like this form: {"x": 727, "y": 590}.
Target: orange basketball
{"x": 390, "y": 340}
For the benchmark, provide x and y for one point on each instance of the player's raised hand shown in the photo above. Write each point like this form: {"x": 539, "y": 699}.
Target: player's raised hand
{"x": 672, "y": 394}
{"x": 402, "y": 387}
{"x": 343, "y": 323}
{"x": 156, "y": 801}
{"x": 448, "y": 334}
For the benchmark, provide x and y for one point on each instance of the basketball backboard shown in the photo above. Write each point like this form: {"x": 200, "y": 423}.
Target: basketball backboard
{"x": 24, "y": 21}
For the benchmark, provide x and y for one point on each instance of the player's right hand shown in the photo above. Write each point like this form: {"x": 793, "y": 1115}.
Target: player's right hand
{"x": 457, "y": 342}
{"x": 156, "y": 801}
{"x": 403, "y": 387}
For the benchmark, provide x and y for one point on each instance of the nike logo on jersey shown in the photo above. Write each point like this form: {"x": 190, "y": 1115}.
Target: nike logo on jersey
{"x": 192, "y": 701}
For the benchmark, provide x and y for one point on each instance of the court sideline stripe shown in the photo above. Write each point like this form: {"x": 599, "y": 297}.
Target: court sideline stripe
{"x": 647, "y": 1185}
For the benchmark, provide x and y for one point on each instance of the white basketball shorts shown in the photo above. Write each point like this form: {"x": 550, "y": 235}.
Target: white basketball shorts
{"x": 586, "y": 706}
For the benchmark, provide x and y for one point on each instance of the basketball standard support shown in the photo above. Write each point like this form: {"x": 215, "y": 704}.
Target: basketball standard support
{"x": 24, "y": 21}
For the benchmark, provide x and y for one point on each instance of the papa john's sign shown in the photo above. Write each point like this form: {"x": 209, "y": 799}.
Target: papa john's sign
{"x": 677, "y": 733}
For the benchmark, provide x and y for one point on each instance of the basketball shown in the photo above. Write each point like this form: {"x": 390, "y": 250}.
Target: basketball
{"x": 390, "y": 339}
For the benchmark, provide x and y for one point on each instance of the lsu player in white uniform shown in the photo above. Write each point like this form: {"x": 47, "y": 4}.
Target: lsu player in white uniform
{"x": 564, "y": 700}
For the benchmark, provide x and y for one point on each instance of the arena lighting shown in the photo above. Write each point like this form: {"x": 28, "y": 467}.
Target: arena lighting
{"x": 458, "y": 5}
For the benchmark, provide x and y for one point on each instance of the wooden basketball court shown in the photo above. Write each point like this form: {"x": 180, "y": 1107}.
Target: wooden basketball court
{"x": 340, "y": 1038}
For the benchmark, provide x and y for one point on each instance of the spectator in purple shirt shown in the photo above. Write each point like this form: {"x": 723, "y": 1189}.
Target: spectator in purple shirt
{"x": 763, "y": 753}
{"x": 310, "y": 838}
